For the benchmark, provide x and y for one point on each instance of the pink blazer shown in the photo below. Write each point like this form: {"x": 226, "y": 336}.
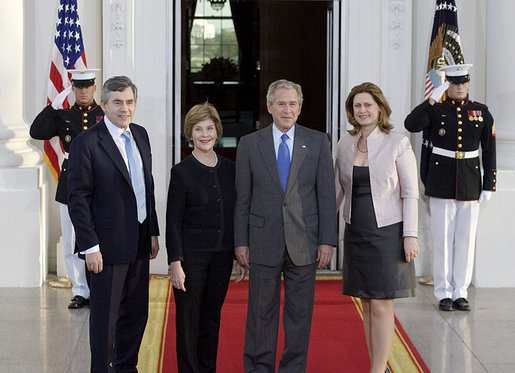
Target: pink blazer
{"x": 393, "y": 178}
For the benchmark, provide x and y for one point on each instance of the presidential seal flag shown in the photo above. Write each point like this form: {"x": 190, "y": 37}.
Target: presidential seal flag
{"x": 444, "y": 50}
{"x": 67, "y": 53}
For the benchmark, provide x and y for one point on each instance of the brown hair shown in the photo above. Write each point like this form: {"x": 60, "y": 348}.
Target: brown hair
{"x": 201, "y": 112}
{"x": 383, "y": 121}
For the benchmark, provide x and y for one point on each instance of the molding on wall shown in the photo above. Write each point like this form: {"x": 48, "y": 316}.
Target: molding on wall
{"x": 118, "y": 23}
{"x": 397, "y": 25}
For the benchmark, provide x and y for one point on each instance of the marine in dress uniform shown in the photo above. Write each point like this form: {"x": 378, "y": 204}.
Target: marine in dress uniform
{"x": 68, "y": 124}
{"x": 454, "y": 182}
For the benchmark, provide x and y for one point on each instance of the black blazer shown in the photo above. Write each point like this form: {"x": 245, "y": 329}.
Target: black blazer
{"x": 200, "y": 208}
{"x": 101, "y": 202}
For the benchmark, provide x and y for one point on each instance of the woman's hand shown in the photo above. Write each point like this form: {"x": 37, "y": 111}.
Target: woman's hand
{"x": 177, "y": 275}
{"x": 410, "y": 248}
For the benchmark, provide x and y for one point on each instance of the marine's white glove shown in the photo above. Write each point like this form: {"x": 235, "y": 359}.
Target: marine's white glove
{"x": 485, "y": 195}
{"x": 438, "y": 92}
{"x": 59, "y": 99}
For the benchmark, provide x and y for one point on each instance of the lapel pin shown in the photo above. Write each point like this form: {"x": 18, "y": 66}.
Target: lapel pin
{"x": 303, "y": 146}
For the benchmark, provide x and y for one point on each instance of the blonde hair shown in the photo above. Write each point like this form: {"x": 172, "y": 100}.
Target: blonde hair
{"x": 383, "y": 121}
{"x": 197, "y": 114}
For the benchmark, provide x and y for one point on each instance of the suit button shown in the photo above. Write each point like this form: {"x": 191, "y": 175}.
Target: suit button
{"x": 459, "y": 138}
{"x": 436, "y": 163}
{"x": 85, "y": 114}
{"x": 460, "y": 129}
{"x": 85, "y": 121}
{"x": 459, "y": 115}
{"x": 460, "y": 146}
{"x": 457, "y": 109}
{"x": 460, "y": 122}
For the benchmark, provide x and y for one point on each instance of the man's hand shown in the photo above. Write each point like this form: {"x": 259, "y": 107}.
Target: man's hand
{"x": 59, "y": 99}
{"x": 241, "y": 273}
{"x": 243, "y": 256}
{"x": 94, "y": 262}
{"x": 438, "y": 93}
{"x": 410, "y": 248}
{"x": 155, "y": 247}
{"x": 177, "y": 275}
{"x": 325, "y": 254}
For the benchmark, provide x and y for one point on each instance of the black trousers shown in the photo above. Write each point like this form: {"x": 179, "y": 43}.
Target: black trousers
{"x": 119, "y": 312}
{"x": 198, "y": 310}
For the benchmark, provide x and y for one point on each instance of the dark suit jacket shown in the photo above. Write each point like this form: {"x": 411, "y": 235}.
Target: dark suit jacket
{"x": 270, "y": 220}
{"x": 101, "y": 202}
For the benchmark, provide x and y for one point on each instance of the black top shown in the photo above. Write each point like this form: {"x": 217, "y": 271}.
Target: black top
{"x": 200, "y": 208}
{"x": 67, "y": 124}
{"x": 457, "y": 126}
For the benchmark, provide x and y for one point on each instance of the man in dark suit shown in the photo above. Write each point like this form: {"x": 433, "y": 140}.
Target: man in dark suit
{"x": 68, "y": 124}
{"x": 285, "y": 222}
{"x": 112, "y": 207}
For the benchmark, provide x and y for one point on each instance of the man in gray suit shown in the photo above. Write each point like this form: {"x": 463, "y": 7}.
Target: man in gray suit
{"x": 285, "y": 223}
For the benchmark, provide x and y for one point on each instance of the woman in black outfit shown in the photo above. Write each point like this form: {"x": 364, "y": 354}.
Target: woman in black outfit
{"x": 199, "y": 240}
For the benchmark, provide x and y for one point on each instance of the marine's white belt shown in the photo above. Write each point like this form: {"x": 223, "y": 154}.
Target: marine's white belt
{"x": 455, "y": 154}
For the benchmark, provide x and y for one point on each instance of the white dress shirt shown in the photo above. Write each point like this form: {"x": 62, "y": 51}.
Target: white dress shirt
{"x": 277, "y": 139}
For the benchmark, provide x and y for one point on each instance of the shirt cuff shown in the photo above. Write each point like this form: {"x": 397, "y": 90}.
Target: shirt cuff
{"x": 91, "y": 250}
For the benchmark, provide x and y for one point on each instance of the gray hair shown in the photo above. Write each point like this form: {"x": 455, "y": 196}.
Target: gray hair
{"x": 118, "y": 83}
{"x": 282, "y": 84}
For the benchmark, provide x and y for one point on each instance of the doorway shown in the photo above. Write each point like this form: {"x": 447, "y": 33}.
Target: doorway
{"x": 230, "y": 55}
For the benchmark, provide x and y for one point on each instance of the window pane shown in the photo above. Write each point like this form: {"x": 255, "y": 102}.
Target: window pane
{"x": 197, "y": 57}
{"x": 231, "y": 51}
{"x": 228, "y": 33}
{"x": 212, "y": 31}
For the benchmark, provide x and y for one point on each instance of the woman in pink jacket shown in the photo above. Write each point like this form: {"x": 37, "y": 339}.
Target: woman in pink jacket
{"x": 376, "y": 174}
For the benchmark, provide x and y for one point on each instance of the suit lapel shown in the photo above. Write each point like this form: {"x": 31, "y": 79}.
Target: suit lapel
{"x": 266, "y": 146}
{"x": 107, "y": 142}
{"x": 300, "y": 149}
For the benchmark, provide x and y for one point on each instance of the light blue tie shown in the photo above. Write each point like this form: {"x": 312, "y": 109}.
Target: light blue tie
{"x": 137, "y": 178}
{"x": 283, "y": 161}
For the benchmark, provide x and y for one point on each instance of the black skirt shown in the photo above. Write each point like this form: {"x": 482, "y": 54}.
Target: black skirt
{"x": 374, "y": 263}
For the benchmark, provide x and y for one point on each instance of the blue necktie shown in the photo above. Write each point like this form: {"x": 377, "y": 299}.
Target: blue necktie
{"x": 283, "y": 161}
{"x": 136, "y": 173}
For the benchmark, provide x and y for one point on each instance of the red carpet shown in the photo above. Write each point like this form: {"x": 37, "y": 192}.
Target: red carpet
{"x": 337, "y": 338}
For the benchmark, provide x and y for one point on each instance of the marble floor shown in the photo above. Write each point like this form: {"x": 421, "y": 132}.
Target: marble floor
{"x": 39, "y": 334}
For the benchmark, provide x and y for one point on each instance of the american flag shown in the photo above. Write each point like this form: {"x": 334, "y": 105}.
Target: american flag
{"x": 444, "y": 50}
{"x": 67, "y": 53}
{"x": 445, "y": 46}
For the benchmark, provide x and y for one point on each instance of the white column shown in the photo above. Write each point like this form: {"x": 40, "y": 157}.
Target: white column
{"x": 495, "y": 254}
{"x": 23, "y": 254}
{"x": 500, "y": 80}
{"x": 138, "y": 42}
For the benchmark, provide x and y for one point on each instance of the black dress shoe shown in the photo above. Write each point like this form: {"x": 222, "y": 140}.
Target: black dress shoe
{"x": 78, "y": 302}
{"x": 446, "y": 305}
{"x": 461, "y": 304}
